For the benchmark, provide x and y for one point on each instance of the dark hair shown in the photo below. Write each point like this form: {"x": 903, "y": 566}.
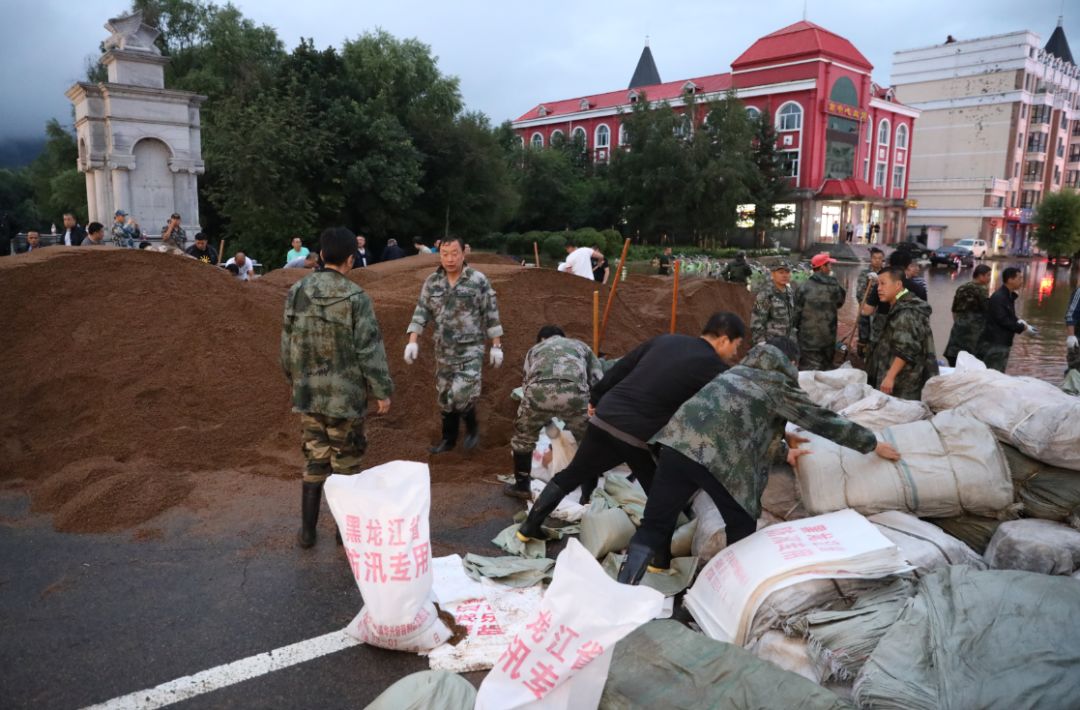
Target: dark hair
{"x": 725, "y": 323}
{"x": 94, "y": 227}
{"x": 897, "y": 272}
{"x": 450, "y": 240}
{"x": 875, "y": 250}
{"x": 337, "y": 244}
{"x": 417, "y": 240}
{"x": 899, "y": 259}
{"x": 232, "y": 269}
{"x": 549, "y": 331}
{"x": 980, "y": 270}
{"x": 786, "y": 345}
{"x": 200, "y": 237}
{"x": 1009, "y": 273}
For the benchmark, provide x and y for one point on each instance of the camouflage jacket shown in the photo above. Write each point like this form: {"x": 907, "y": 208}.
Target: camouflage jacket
{"x": 177, "y": 239}
{"x": 465, "y": 314}
{"x": 122, "y": 233}
{"x": 860, "y": 285}
{"x": 331, "y": 348}
{"x": 905, "y": 334}
{"x": 971, "y": 298}
{"x": 733, "y": 423}
{"x": 562, "y": 360}
{"x": 773, "y": 313}
{"x": 737, "y": 271}
{"x": 816, "y": 303}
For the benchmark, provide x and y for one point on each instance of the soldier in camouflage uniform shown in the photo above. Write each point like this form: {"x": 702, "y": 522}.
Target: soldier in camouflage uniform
{"x": 559, "y": 374}
{"x": 123, "y": 234}
{"x": 774, "y": 307}
{"x": 816, "y": 303}
{"x": 862, "y": 289}
{"x": 723, "y": 440}
{"x": 969, "y": 314}
{"x": 461, "y": 302}
{"x": 737, "y": 271}
{"x": 332, "y": 354}
{"x": 903, "y": 358}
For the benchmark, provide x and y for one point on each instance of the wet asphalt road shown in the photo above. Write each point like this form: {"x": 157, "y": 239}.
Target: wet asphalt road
{"x": 87, "y": 618}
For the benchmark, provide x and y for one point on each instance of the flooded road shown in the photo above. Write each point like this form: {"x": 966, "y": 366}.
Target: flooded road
{"x": 1042, "y": 303}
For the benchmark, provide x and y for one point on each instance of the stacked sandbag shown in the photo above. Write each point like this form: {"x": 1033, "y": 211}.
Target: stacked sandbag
{"x": 710, "y": 533}
{"x": 788, "y": 652}
{"x": 781, "y": 495}
{"x": 979, "y": 639}
{"x": 1045, "y": 491}
{"x": 782, "y": 608}
{"x": 926, "y": 547}
{"x": 835, "y": 389}
{"x": 1035, "y": 546}
{"x": 975, "y": 531}
{"x": 878, "y": 411}
{"x": 1032, "y": 415}
{"x": 950, "y": 465}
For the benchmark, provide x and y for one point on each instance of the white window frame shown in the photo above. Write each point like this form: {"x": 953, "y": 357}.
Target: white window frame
{"x": 622, "y": 135}
{"x": 866, "y": 169}
{"x": 902, "y": 130}
{"x": 780, "y": 116}
{"x": 883, "y": 132}
{"x": 596, "y": 136}
{"x": 898, "y": 177}
{"x": 752, "y": 113}
{"x": 880, "y": 174}
{"x": 533, "y": 143}
{"x": 798, "y": 162}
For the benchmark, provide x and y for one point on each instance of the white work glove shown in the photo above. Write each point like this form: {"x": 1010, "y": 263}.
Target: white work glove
{"x": 1029, "y": 329}
{"x": 496, "y": 356}
{"x": 412, "y": 351}
{"x": 1071, "y": 342}
{"x": 872, "y": 276}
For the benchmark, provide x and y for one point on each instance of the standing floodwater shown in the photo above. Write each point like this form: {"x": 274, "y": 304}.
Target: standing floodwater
{"x": 1042, "y": 303}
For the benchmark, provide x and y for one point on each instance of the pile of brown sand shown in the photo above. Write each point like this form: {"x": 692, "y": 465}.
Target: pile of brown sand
{"x": 133, "y": 375}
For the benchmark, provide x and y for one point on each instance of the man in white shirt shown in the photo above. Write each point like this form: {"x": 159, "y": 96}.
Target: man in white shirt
{"x": 245, "y": 267}
{"x": 578, "y": 261}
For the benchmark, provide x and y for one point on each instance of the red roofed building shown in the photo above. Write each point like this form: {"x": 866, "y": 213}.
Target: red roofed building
{"x": 845, "y": 140}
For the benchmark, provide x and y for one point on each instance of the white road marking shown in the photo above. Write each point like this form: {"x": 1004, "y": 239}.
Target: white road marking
{"x": 230, "y": 673}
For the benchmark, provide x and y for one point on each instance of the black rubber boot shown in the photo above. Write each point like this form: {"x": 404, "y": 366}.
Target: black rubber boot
{"x": 661, "y": 561}
{"x": 587, "y": 489}
{"x": 520, "y": 487}
{"x": 546, "y": 502}
{"x": 309, "y": 513}
{"x": 450, "y": 421}
{"x": 472, "y": 429}
{"x": 638, "y": 557}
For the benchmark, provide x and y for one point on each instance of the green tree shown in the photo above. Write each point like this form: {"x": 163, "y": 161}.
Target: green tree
{"x": 770, "y": 189}
{"x": 1057, "y": 223}
{"x": 553, "y": 191}
{"x": 57, "y": 184}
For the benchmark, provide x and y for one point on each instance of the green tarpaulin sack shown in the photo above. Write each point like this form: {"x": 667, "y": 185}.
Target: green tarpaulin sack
{"x": 427, "y": 690}
{"x": 1046, "y": 491}
{"x": 974, "y": 530}
{"x": 979, "y": 639}
{"x": 663, "y": 664}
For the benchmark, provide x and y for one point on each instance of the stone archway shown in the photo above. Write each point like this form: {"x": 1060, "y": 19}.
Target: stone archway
{"x": 151, "y": 185}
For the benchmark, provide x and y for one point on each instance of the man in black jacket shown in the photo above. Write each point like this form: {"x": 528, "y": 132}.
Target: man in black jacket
{"x": 73, "y": 232}
{"x": 1001, "y": 322}
{"x": 633, "y": 402}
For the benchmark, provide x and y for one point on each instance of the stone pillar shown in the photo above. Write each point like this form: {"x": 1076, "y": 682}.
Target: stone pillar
{"x": 103, "y": 189}
{"x": 121, "y": 189}
{"x": 91, "y": 198}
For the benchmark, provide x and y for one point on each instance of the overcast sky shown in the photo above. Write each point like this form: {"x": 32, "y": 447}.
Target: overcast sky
{"x": 511, "y": 56}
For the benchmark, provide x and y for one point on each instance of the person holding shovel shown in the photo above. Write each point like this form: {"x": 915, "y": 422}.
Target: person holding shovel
{"x": 332, "y": 354}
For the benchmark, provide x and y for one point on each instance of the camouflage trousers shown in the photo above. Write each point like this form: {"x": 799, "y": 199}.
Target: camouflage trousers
{"x": 996, "y": 357}
{"x": 331, "y": 445}
{"x": 542, "y": 402}
{"x": 458, "y": 384}
{"x": 964, "y": 336}
{"x": 817, "y": 358}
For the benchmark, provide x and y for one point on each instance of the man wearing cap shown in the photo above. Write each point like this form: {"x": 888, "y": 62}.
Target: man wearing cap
{"x": 172, "y": 234}
{"x": 816, "y": 303}
{"x": 123, "y": 234}
{"x": 737, "y": 271}
{"x": 773, "y": 314}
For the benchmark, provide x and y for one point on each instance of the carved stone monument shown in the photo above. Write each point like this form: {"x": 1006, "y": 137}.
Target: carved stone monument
{"x": 139, "y": 143}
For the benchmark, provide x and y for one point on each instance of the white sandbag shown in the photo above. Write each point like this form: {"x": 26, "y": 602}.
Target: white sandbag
{"x": 682, "y": 542}
{"x": 1032, "y": 415}
{"x": 541, "y": 458}
{"x": 879, "y": 411}
{"x": 563, "y": 448}
{"x": 728, "y": 592}
{"x": 710, "y": 535}
{"x": 835, "y": 389}
{"x": 923, "y": 545}
{"x": 561, "y": 659}
{"x": 1035, "y": 546}
{"x": 382, "y": 515}
{"x": 791, "y": 654}
{"x": 604, "y": 531}
{"x": 950, "y": 465}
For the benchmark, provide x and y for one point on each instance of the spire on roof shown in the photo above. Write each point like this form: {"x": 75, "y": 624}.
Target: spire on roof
{"x": 1058, "y": 46}
{"x": 645, "y": 74}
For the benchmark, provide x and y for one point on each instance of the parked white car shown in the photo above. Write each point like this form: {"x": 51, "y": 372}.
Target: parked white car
{"x": 977, "y": 246}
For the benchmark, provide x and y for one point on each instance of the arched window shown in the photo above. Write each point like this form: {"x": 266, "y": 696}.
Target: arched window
{"x": 789, "y": 117}
{"x": 624, "y": 138}
{"x": 579, "y": 135}
{"x": 537, "y": 140}
{"x": 883, "y": 132}
{"x": 843, "y": 92}
{"x": 521, "y": 142}
{"x": 603, "y": 136}
{"x": 752, "y": 113}
{"x": 558, "y": 138}
{"x": 901, "y": 136}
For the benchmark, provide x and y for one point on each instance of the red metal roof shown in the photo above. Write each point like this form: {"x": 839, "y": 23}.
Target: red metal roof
{"x": 847, "y": 189}
{"x": 800, "y": 40}
{"x": 612, "y": 99}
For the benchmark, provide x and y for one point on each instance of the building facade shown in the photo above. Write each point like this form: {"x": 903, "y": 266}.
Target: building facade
{"x": 999, "y": 130}
{"x": 845, "y": 141}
